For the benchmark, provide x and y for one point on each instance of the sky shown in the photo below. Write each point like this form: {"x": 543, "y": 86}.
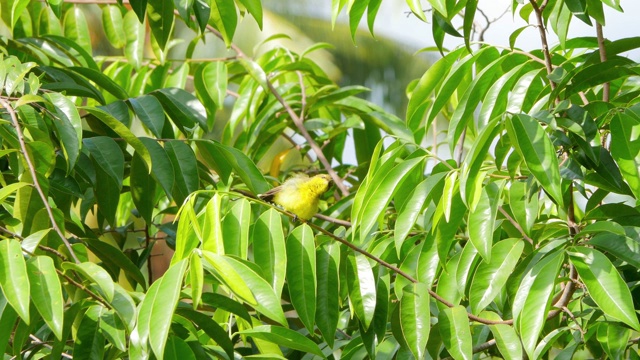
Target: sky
{"x": 393, "y": 21}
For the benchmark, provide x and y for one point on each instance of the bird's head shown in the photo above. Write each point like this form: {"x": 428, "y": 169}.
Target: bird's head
{"x": 320, "y": 183}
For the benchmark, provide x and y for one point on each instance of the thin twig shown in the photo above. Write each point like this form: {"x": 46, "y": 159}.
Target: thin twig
{"x": 35, "y": 341}
{"x": 147, "y": 242}
{"x": 333, "y": 220}
{"x": 606, "y": 87}
{"x": 34, "y": 176}
{"x": 543, "y": 37}
{"x": 516, "y": 225}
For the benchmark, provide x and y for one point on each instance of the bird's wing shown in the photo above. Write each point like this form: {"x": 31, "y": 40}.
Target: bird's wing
{"x": 268, "y": 196}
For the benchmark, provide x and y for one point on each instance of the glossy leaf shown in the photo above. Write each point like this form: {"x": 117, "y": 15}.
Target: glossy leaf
{"x": 604, "y": 284}
{"x": 490, "y": 277}
{"x": 415, "y": 318}
{"x": 362, "y": 288}
{"x": 301, "y": 273}
{"x": 533, "y": 299}
{"x": 14, "y": 279}
{"x": 161, "y": 21}
{"x": 455, "y": 332}
{"x": 327, "y": 299}
{"x": 625, "y": 149}
{"x": 113, "y": 25}
{"x": 284, "y": 337}
{"x": 538, "y": 153}
{"x": 482, "y": 220}
{"x": 95, "y": 274}
{"x": 46, "y": 292}
{"x": 269, "y": 250}
{"x": 225, "y": 19}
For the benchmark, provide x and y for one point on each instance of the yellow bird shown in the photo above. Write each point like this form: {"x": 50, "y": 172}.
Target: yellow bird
{"x": 299, "y": 194}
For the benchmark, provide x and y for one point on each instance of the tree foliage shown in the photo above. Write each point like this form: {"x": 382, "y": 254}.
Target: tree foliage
{"x": 522, "y": 239}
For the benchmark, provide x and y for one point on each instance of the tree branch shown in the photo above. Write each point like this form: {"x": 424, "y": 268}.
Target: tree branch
{"x": 543, "y": 37}
{"x": 32, "y": 170}
{"x": 606, "y": 89}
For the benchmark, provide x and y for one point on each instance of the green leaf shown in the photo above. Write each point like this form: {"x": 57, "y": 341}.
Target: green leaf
{"x": 362, "y": 288}
{"x": 614, "y": 339}
{"x": 210, "y": 82}
{"x": 625, "y": 148}
{"x": 160, "y": 15}
{"x": 210, "y": 327}
{"x": 235, "y": 229}
{"x": 507, "y": 340}
{"x": 143, "y": 188}
{"x": 533, "y": 299}
{"x": 356, "y": 10}
{"x": 184, "y": 109}
{"x": 229, "y": 277}
{"x": 467, "y": 26}
{"x": 46, "y": 292}
{"x": 224, "y": 18}
{"x": 604, "y": 284}
{"x": 135, "y": 39}
{"x": 176, "y": 348}
{"x": 89, "y": 341}
{"x": 139, "y": 7}
{"x": 185, "y": 169}
{"x": 284, "y": 337}
{"x": 301, "y": 273}
{"x": 123, "y": 131}
{"x": 17, "y": 7}
{"x": 161, "y": 305}
{"x": 256, "y": 72}
{"x": 76, "y": 28}
{"x": 113, "y": 25}
{"x": 490, "y": 278}
{"x": 415, "y": 317}
{"x": 102, "y": 80}
{"x": 109, "y": 164}
{"x": 379, "y": 194}
{"x": 68, "y": 127}
{"x": 269, "y": 251}
{"x": 455, "y": 332}
{"x": 117, "y": 259}
{"x": 149, "y": 110}
{"x": 410, "y": 209}
{"x": 162, "y": 167}
{"x": 620, "y": 246}
{"x": 196, "y": 279}
{"x": 14, "y": 279}
{"x": 223, "y": 159}
{"x": 94, "y": 274}
{"x": 538, "y": 153}
{"x": 327, "y": 314}
{"x": 482, "y": 220}
{"x": 10, "y": 189}
{"x": 255, "y": 9}
{"x": 416, "y": 9}
{"x": 266, "y": 300}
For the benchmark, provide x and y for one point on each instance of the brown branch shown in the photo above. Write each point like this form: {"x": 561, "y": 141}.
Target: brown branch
{"x": 36, "y": 342}
{"x": 147, "y": 242}
{"x": 85, "y": 289}
{"x": 478, "y": 348}
{"x": 330, "y": 219}
{"x": 404, "y": 275}
{"x": 543, "y": 37}
{"x": 606, "y": 89}
{"x": 34, "y": 176}
{"x": 516, "y": 225}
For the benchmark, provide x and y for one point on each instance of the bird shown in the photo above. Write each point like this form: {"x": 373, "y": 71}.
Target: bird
{"x": 299, "y": 194}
